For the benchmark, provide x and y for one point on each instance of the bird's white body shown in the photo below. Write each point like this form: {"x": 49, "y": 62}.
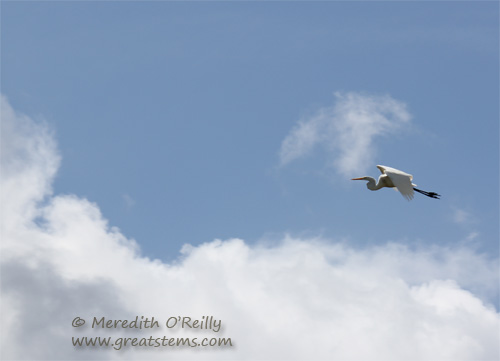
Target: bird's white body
{"x": 392, "y": 178}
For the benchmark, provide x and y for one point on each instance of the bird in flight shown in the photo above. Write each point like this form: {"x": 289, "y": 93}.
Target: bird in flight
{"x": 394, "y": 178}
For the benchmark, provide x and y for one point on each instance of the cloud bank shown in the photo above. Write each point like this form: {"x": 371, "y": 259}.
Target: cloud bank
{"x": 346, "y": 131}
{"x": 299, "y": 299}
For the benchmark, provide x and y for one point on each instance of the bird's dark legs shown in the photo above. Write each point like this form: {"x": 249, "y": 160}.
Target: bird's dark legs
{"x": 428, "y": 194}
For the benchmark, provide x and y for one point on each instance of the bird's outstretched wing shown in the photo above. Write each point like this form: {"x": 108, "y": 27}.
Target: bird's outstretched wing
{"x": 400, "y": 179}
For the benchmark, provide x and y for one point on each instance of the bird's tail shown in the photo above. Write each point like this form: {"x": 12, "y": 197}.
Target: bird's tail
{"x": 428, "y": 194}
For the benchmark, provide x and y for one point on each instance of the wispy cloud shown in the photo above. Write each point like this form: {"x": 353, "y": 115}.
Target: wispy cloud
{"x": 346, "y": 131}
{"x": 128, "y": 201}
{"x": 398, "y": 302}
{"x": 461, "y": 216}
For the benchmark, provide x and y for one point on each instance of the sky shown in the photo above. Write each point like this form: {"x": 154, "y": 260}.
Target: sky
{"x": 194, "y": 158}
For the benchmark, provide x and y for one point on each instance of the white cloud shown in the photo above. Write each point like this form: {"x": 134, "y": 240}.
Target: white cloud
{"x": 346, "y": 131}
{"x": 300, "y": 299}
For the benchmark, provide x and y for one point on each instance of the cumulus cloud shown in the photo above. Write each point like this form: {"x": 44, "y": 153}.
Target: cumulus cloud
{"x": 298, "y": 299}
{"x": 346, "y": 131}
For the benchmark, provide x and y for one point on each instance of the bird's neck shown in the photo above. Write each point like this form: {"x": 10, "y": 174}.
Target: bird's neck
{"x": 372, "y": 184}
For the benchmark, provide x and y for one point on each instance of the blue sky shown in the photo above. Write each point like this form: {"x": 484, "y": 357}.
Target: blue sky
{"x": 186, "y": 122}
{"x": 171, "y": 115}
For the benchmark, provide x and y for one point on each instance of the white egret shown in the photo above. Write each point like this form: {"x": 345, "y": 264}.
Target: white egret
{"x": 394, "y": 178}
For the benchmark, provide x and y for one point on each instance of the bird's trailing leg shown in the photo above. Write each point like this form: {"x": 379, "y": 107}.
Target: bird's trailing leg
{"x": 428, "y": 194}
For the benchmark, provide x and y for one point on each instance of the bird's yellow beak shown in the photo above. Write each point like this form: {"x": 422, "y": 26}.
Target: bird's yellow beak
{"x": 357, "y": 178}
